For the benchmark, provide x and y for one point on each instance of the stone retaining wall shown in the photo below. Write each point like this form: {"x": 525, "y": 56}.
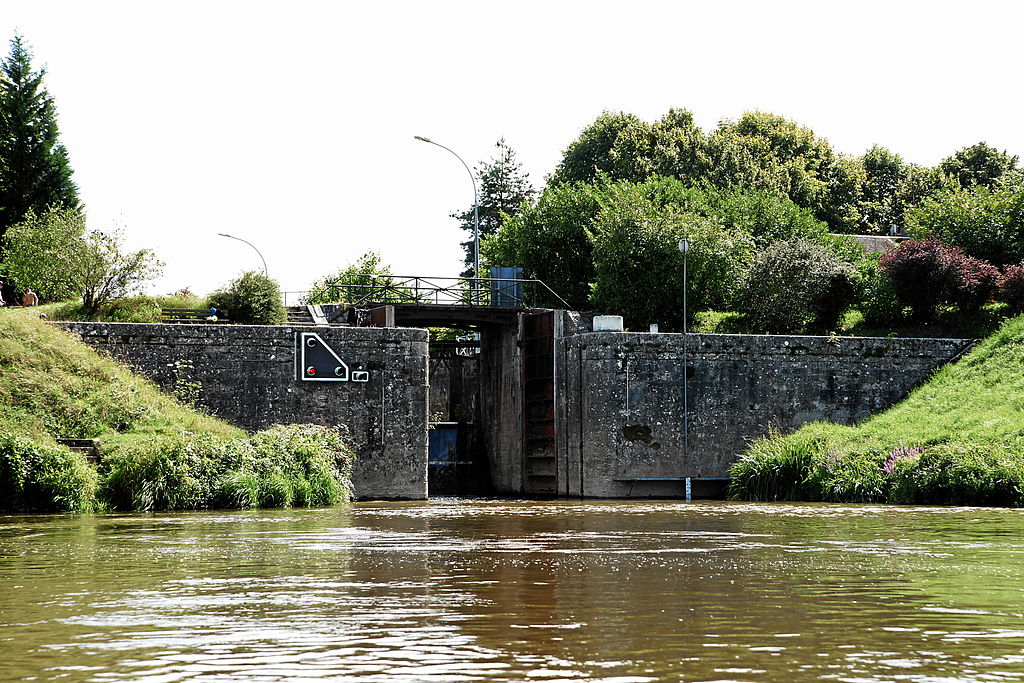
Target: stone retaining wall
{"x": 246, "y": 375}
{"x": 622, "y": 421}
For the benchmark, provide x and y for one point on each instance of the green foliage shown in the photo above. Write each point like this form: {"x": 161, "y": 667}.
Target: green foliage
{"x": 956, "y": 440}
{"x": 503, "y": 189}
{"x": 978, "y": 165}
{"x": 796, "y": 286}
{"x": 110, "y": 272}
{"x": 35, "y": 174}
{"x": 55, "y": 255}
{"x": 616, "y": 145}
{"x": 552, "y": 241}
{"x": 639, "y": 268}
{"x": 986, "y": 223}
{"x": 760, "y": 151}
{"x": 252, "y": 298}
{"x": 303, "y": 465}
{"x": 558, "y": 239}
{"x": 878, "y": 301}
{"x": 882, "y": 202}
{"x": 766, "y": 216}
{"x": 44, "y": 252}
{"x": 39, "y": 476}
{"x": 366, "y": 279}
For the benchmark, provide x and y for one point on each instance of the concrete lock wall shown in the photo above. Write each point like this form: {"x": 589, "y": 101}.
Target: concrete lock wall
{"x": 621, "y": 419}
{"x": 247, "y": 376}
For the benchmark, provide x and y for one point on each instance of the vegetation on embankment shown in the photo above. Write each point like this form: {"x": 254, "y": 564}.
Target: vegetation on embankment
{"x": 956, "y": 440}
{"x": 155, "y": 452}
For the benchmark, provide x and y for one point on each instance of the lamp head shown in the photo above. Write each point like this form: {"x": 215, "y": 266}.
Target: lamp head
{"x": 423, "y": 139}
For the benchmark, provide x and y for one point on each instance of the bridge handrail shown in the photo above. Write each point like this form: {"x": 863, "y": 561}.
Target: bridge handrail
{"x": 420, "y": 289}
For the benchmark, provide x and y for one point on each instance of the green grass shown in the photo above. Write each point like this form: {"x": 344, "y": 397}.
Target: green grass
{"x": 136, "y": 309}
{"x": 156, "y": 453}
{"x": 958, "y": 439}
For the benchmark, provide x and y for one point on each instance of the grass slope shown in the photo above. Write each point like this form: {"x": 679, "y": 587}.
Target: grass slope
{"x": 156, "y": 453}
{"x": 958, "y": 439}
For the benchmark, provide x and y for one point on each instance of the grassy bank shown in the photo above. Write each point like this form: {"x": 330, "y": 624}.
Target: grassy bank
{"x": 156, "y": 453}
{"x": 958, "y": 439}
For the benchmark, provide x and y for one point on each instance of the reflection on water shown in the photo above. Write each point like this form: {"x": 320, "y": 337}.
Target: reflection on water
{"x": 457, "y": 590}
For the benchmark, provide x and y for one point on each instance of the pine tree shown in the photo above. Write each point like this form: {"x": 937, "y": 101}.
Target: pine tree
{"x": 502, "y": 188}
{"x": 34, "y": 170}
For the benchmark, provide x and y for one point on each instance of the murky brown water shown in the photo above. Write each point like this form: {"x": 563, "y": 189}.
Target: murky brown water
{"x": 456, "y": 590}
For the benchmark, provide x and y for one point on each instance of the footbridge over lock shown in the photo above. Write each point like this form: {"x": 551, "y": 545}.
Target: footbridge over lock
{"x": 520, "y": 396}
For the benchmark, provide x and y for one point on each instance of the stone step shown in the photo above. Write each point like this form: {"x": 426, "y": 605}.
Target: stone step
{"x": 87, "y": 447}
{"x": 306, "y": 315}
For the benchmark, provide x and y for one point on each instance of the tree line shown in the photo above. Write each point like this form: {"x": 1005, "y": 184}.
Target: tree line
{"x": 757, "y": 197}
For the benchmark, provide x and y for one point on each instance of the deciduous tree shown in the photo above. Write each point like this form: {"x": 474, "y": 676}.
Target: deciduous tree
{"x": 978, "y": 164}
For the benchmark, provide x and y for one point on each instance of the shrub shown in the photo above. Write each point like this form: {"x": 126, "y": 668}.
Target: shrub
{"x": 878, "y": 301}
{"x": 37, "y": 477}
{"x": 921, "y": 272}
{"x": 795, "y": 286}
{"x": 960, "y": 474}
{"x": 1011, "y": 288}
{"x": 985, "y": 223}
{"x": 928, "y": 272}
{"x": 252, "y": 298}
{"x": 974, "y": 283}
{"x": 278, "y": 467}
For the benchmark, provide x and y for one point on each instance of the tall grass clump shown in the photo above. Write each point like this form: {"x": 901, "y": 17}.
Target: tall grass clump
{"x": 283, "y": 466}
{"x": 956, "y": 440}
{"x": 42, "y": 477}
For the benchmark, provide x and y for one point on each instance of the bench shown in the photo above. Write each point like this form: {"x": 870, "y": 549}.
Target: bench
{"x": 192, "y": 315}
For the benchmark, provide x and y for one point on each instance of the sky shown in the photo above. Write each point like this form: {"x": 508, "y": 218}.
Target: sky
{"x": 291, "y": 125}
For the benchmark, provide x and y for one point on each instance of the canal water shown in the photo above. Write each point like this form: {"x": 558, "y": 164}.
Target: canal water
{"x": 463, "y": 590}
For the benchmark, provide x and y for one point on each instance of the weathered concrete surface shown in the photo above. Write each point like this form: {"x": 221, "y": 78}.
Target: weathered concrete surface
{"x": 247, "y": 377}
{"x": 501, "y": 407}
{"x": 621, "y": 417}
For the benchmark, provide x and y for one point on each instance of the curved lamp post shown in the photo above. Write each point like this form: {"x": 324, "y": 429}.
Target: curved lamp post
{"x": 224, "y": 234}
{"x": 476, "y": 208}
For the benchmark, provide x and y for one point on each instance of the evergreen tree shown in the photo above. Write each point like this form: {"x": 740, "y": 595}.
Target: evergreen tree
{"x": 34, "y": 171}
{"x": 502, "y": 189}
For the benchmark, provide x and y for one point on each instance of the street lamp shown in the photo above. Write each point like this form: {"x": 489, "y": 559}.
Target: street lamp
{"x": 684, "y": 247}
{"x": 476, "y": 209}
{"x": 224, "y": 234}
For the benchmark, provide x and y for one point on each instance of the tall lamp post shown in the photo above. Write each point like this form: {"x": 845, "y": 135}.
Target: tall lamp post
{"x": 224, "y": 234}
{"x": 476, "y": 208}
{"x": 684, "y": 247}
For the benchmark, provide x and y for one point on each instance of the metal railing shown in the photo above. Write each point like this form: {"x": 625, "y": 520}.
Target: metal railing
{"x": 366, "y": 289}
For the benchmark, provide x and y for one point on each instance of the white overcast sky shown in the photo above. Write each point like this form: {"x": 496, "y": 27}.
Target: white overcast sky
{"x": 291, "y": 124}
